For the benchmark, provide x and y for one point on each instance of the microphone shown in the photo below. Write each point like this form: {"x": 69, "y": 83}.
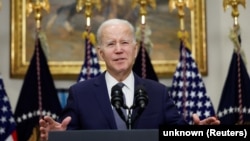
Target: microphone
{"x": 141, "y": 97}
{"x": 117, "y": 97}
{"x": 117, "y": 100}
{"x": 141, "y": 100}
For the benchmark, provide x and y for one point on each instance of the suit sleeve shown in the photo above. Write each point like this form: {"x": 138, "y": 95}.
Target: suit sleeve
{"x": 171, "y": 114}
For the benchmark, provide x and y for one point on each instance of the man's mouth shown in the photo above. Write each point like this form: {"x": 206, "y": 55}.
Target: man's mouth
{"x": 119, "y": 59}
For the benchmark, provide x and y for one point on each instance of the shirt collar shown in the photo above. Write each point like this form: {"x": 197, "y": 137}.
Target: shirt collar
{"x": 111, "y": 81}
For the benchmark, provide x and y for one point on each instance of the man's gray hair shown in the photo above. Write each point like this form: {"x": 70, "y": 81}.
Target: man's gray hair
{"x": 113, "y": 22}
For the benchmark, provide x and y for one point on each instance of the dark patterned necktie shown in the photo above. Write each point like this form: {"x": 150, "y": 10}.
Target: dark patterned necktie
{"x": 121, "y": 124}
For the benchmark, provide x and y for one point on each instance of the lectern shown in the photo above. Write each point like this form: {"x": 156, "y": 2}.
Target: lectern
{"x": 105, "y": 135}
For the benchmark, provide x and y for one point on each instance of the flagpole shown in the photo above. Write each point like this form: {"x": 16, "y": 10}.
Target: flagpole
{"x": 38, "y": 86}
{"x": 143, "y": 12}
{"x": 183, "y": 35}
{"x": 87, "y": 35}
{"x": 180, "y": 5}
{"x": 37, "y": 6}
{"x": 235, "y": 38}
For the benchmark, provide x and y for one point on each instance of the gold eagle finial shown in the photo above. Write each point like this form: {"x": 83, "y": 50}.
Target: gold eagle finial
{"x": 37, "y": 7}
{"x": 143, "y": 7}
{"x": 88, "y": 4}
{"x": 235, "y": 11}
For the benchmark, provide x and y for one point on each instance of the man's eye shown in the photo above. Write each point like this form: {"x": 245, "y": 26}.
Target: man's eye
{"x": 110, "y": 44}
{"x": 125, "y": 43}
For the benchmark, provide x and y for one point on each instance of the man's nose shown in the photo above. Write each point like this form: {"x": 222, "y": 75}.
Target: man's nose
{"x": 118, "y": 47}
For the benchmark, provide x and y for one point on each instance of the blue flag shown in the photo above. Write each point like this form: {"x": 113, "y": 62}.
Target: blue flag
{"x": 234, "y": 106}
{"x": 91, "y": 66}
{"x": 188, "y": 89}
{"x": 7, "y": 122}
{"x": 231, "y": 103}
{"x": 143, "y": 66}
{"x": 38, "y": 96}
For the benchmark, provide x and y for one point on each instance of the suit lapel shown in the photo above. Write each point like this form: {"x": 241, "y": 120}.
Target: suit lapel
{"x": 138, "y": 81}
{"x": 102, "y": 96}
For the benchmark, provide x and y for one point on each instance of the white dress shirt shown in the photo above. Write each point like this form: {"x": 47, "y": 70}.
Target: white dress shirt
{"x": 128, "y": 89}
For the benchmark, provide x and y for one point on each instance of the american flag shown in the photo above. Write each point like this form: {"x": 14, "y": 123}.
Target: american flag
{"x": 7, "y": 121}
{"x": 188, "y": 89}
{"x": 91, "y": 66}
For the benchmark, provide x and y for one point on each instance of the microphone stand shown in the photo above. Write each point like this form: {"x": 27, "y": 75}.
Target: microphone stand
{"x": 129, "y": 119}
{"x": 129, "y": 116}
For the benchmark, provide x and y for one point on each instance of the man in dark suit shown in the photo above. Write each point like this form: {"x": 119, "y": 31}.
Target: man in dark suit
{"x": 89, "y": 102}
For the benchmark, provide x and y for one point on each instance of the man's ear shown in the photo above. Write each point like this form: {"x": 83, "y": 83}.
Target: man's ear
{"x": 136, "y": 49}
{"x": 99, "y": 52}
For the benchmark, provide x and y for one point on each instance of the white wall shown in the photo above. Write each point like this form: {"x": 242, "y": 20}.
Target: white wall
{"x": 219, "y": 47}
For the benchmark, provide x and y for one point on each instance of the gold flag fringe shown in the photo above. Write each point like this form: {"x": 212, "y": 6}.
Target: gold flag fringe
{"x": 89, "y": 35}
{"x": 233, "y": 35}
{"x": 184, "y": 36}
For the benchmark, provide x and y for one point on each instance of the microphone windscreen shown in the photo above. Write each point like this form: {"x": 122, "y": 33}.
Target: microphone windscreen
{"x": 141, "y": 97}
{"x": 116, "y": 96}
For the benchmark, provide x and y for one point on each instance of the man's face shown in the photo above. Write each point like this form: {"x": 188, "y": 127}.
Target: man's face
{"x": 118, "y": 49}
